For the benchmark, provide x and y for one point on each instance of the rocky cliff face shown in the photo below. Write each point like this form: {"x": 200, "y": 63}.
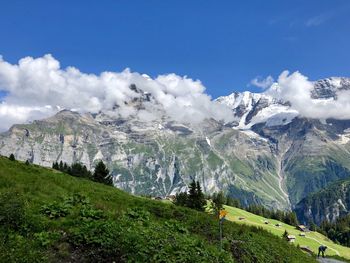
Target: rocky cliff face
{"x": 268, "y": 154}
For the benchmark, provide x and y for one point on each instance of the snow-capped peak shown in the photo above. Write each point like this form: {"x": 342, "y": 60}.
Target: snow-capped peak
{"x": 251, "y": 108}
{"x": 268, "y": 107}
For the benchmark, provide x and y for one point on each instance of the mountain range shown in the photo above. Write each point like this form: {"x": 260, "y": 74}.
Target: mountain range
{"x": 268, "y": 154}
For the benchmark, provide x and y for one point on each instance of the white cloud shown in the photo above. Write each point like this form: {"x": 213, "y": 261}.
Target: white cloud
{"x": 262, "y": 83}
{"x": 318, "y": 20}
{"x": 296, "y": 88}
{"x": 37, "y": 86}
{"x": 10, "y": 114}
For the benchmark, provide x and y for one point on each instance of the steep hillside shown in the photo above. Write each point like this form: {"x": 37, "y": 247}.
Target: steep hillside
{"x": 49, "y": 216}
{"x": 326, "y": 204}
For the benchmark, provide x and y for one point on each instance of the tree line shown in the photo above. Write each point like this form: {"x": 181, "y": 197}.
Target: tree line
{"x": 196, "y": 199}
{"x": 287, "y": 217}
{"x": 100, "y": 174}
{"x": 338, "y": 231}
{"x": 218, "y": 200}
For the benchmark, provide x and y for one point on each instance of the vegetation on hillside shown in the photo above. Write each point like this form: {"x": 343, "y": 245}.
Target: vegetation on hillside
{"x": 320, "y": 202}
{"x": 193, "y": 199}
{"x": 219, "y": 199}
{"x": 100, "y": 175}
{"x": 326, "y": 211}
{"x": 217, "y": 203}
{"x": 288, "y": 217}
{"x": 76, "y": 169}
{"x": 308, "y": 174}
{"x": 338, "y": 231}
{"x": 48, "y": 216}
{"x": 311, "y": 239}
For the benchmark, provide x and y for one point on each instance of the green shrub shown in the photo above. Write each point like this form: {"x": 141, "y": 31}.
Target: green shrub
{"x": 96, "y": 233}
{"x": 17, "y": 248}
{"x": 56, "y": 209}
{"x": 138, "y": 214}
{"x": 89, "y": 212}
{"x": 76, "y": 199}
{"x": 47, "y": 238}
{"x": 12, "y": 213}
{"x": 176, "y": 226}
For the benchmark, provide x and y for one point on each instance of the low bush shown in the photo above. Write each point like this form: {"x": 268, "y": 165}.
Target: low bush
{"x": 12, "y": 213}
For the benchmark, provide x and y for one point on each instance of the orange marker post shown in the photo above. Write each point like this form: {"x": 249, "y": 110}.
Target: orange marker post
{"x": 222, "y": 215}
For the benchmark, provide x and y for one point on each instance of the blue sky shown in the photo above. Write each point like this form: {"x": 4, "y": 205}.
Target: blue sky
{"x": 225, "y": 44}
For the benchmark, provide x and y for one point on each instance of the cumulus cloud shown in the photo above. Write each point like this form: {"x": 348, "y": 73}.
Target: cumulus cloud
{"x": 262, "y": 83}
{"x": 296, "y": 89}
{"x": 10, "y": 114}
{"x": 38, "y": 87}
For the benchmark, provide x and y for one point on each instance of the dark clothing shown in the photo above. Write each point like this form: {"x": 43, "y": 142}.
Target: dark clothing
{"x": 321, "y": 249}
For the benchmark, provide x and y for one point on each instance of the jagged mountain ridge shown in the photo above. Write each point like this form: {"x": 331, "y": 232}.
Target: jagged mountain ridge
{"x": 268, "y": 154}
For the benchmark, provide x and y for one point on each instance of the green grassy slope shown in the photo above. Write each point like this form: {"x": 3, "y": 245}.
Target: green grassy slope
{"x": 311, "y": 239}
{"x": 68, "y": 219}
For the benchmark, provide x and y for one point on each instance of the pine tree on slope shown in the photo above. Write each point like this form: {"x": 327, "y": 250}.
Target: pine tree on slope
{"x": 101, "y": 174}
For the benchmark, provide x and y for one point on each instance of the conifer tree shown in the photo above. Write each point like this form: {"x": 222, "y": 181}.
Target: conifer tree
{"x": 55, "y": 166}
{"x": 101, "y": 174}
{"x": 192, "y": 195}
{"x": 290, "y": 218}
{"x": 196, "y": 198}
{"x": 201, "y": 202}
{"x": 61, "y": 166}
{"x": 66, "y": 168}
{"x": 218, "y": 201}
{"x": 12, "y": 157}
{"x": 312, "y": 225}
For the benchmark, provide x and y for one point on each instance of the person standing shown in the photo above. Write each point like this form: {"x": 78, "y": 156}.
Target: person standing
{"x": 321, "y": 249}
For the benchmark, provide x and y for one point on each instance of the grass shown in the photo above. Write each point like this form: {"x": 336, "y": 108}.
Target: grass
{"x": 312, "y": 239}
{"x": 111, "y": 225}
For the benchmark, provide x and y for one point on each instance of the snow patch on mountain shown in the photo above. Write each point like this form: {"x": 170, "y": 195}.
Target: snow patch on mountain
{"x": 261, "y": 108}
{"x": 275, "y": 115}
{"x": 208, "y": 141}
{"x": 343, "y": 139}
{"x": 252, "y": 134}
